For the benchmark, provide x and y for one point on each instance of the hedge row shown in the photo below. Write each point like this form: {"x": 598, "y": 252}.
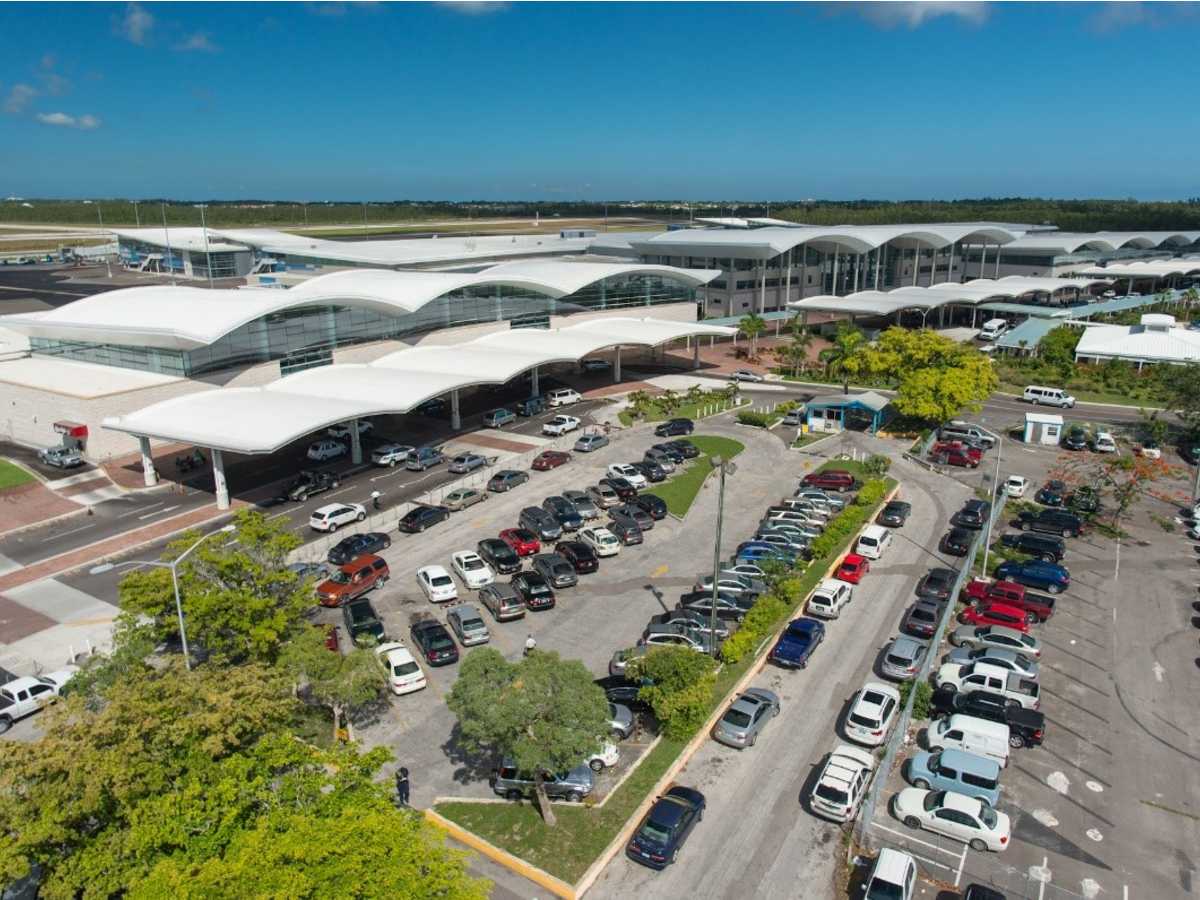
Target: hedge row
{"x": 757, "y": 419}
{"x": 849, "y": 520}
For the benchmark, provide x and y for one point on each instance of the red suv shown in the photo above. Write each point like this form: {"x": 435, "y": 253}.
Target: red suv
{"x": 352, "y": 580}
{"x": 830, "y": 480}
{"x": 953, "y": 457}
{"x": 995, "y": 614}
{"x": 522, "y": 540}
{"x": 957, "y": 447}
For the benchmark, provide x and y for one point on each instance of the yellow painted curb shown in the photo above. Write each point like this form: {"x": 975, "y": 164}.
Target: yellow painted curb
{"x": 514, "y": 864}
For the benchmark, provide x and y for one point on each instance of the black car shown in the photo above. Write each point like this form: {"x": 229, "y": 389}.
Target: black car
{"x": 619, "y": 689}
{"x": 921, "y": 620}
{"x": 689, "y": 619}
{"x": 534, "y": 590}
{"x": 556, "y": 569}
{"x": 976, "y": 891}
{"x": 957, "y": 541}
{"x": 895, "y": 514}
{"x": 620, "y": 486}
{"x": 974, "y": 514}
{"x": 672, "y": 427}
{"x": 434, "y": 642}
{"x": 1076, "y": 438}
{"x": 674, "y": 453}
{"x": 687, "y": 448}
{"x": 1084, "y": 500}
{"x": 655, "y": 506}
{"x": 499, "y": 555}
{"x": 663, "y": 831}
{"x": 421, "y": 517}
{"x": 564, "y": 512}
{"x": 633, "y": 510}
{"x": 936, "y": 584}
{"x": 362, "y": 624}
{"x": 356, "y": 545}
{"x": 651, "y": 471}
{"x": 308, "y": 483}
{"x": 1052, "y": 493}
{"x": 1026, "y": 727}
{"x": 1041, "y": 546}
{"x": 730, "y": 607}
{"x": 578, "y": 554}
{"x": 1050, "y": 521}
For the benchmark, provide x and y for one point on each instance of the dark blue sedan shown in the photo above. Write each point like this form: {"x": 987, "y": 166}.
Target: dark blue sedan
{"x": 797, "y": 643}
{"x": 1048, "y": 577}
{"x": 661, "y": 835}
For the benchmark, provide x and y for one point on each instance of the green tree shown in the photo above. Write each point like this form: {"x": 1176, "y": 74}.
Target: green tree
{"x": 341, "y": 682}
{"x": 679, "y": 687}
{"x": 1181, "y": 385}
{"x": 1058, "y": 349}
{"x": 846, "y": 358}
{"x": 543, "y": 712}
{"x": 752, "y": 325}
{"x": 639, "y": 404}
{"x": 1191, "y": 297}
{"x": 935, "y": 395}
{"x": 799, "y": 346}
{"x": 695, "y": 395}
{"x": 668, "y": 402}
{"x": 239, "y": 598}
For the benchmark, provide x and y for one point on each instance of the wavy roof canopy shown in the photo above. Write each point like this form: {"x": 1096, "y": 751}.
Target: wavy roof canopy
{"x": 186, "y": 318}
{"x": 263, "y": 419}
{"x": 1151, "y": 268}
{"x": 1063, "y": 242}
{"x": 883, "y": 303}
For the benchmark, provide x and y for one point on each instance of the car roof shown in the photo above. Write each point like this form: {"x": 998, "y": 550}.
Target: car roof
{"x": 464, "y": 555}
{"x": 854, "y": 559}
{"x": 961, "y": 802}
{"x": 844, "y": 764}
{"x": 903, "y": 645}
{"x": 804, "y": 625}
{"x": 830, "y": 586}
{"x": 878, "y": 688}
{"x": 463, "y": 610}
{"x": 892, "y": 865}
{"x": 394, "y": 652}
{"x": 433, "y": 571}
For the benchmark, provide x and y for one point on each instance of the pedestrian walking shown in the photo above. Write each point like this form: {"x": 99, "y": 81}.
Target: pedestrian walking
{"x": 530, "y": 645}
{"x": 375, "y": 495}
{"x": 402, "y": 786}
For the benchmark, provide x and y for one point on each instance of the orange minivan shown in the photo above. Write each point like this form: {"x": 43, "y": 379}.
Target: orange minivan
{"x": 353, "y": 579}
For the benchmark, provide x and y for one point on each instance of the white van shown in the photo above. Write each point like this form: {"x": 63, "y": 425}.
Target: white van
{"x": 978, "y": 736}
{"x": 992, "y": 329}
{"x": 873, "y": 541}
{"x": 562, "y": 397}
{"x": 1048, "y": 396}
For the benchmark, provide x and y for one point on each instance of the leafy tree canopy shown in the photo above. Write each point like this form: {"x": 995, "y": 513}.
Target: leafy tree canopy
{"x": 679, "y": 686}
{"x": 339, "y": 681}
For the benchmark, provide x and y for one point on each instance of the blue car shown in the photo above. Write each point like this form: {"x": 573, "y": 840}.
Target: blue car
{"x": 671, "y": 819}
{"x": 1048, "y": 577}
{"x": 797, "y": 643}
{"x": 766, "y": 551}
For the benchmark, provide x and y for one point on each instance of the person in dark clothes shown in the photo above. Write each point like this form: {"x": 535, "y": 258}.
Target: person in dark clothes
{"x": 402, "y": 786}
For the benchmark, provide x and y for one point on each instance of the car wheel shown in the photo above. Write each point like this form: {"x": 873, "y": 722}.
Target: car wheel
{"x": 360, "y": 516}
{"x": 302, "y": 498}
{"x": 421, "y": 527}
{"x": 513, "y": 794}
{"x": 392, "y": 462}
{"x": 333, "y": 526}
{"x": 5, "y": 724}
{"x": 381, "y": 581}
{"x": 913, "y": 822}
{"x": 1053, "y": 589}
{"x": 753, "y": 739}
{"x": 1016, "y": 741}
{"x": 1024, "y": 526}
{"x": 596, "y": 765}
{"x": 336, "y": 483}
{"x": 978, "y": 845}
{"x": 1066, "y": 533}
{"x": 921, "y": 784}
{"x": 616, "y": 735}
{"x": 949, "y": 687}
{"x": 575, "y": 797}
{"x": 1031, "y": 618}
{"x": 1034, "y": 401}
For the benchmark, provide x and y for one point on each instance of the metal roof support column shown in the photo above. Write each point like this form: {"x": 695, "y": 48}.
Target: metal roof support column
{"x": 149, "y": 475}
{"x": 857, "y": 265}
{"x": 998, "y": 260}
{"x": 803, "y": 270}
{"x": 455, "y": 417}
{"x": 834, "y": 284}
{"x": 220, "y": 487}
{"x": 616, "y": 367}
{"x": 762, "y": 287}
{"x": 533, "y": 385}
{"x": 787, "y": 296}
{"x": 355, "y": 443}
{"x": 916, "y": 264}
{"x": 696, "y": 353}
{"x": 950, "y": 268}
{"x": 982, "y": 258}
{"x": 880, "y": 256}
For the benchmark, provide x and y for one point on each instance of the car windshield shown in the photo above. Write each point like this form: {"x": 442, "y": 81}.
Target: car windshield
{"x": 884, "y": 890}
{"x": 988, "y": 816}
{"x": 472, "y": 563}
{"x": 865, "y": 721}
{"x": 923, "y": 615}
{"x": 933, "y": 800}
{"x": 339, "y": 577}
{"x": 408, "y": 668}
{"x": 832, "y": 794}
{"x": 473, "y": 625}
{"x": 737, "y": 718}
{"x": 439, "y": 642}
{"x": 653, "y": 833}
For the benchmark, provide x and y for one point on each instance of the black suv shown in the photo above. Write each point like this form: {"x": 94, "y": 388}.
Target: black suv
{"x": 1050, "y": 521}
{"x": 534, "y": 590}
{"x": 308, "y": 483}
{"x": 672, "y": 427}
{"x": 957, "y": 541}
{"x": 674, "y": 453}
{"x": 1026, "y": 727}
{"x": 434, "y": 642}
{"x": 936, "y": 584}
{"x": 361, "y": 621}
{"x": 556, "y": 569}
{"x": 622, "y": 488}
{"x": 619, "y": 689}
{"x": 356, "y": 545}
{"x": 652, "y": 471}
{"x": 895, "y": 514}
{"x": 578, "y": 554}
{"x": 541, "y": 523}
{"x": 564, "y": 512}
{"x": 655, "y": 506}
{"x": 974, "y": 514}
{"x": 421, "y": 517}
{"x": 1076, "y": 438}
{"x": 1042, "y": 546}
{"x": 687, "y": 448}
{"x": 499, "y": 555}
{"x": 633, "y": 510}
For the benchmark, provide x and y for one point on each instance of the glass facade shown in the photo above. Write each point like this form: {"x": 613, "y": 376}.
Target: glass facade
{"x": 306, "y": 337}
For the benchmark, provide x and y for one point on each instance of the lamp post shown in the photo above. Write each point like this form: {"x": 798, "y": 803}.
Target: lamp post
{"x": 136, "y": 216}
{"x": 174, "y": 567}
{"x": 207, "y": 255}
{"x": 995, "y": 487}
{"x": 723, "y": 465}
{"x": 167, "y": 234}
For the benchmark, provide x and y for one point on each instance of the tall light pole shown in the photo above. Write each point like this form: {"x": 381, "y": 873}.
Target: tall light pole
{"x": 174, "y": 567}
{"x": 167, "y": 234}
{"x": 987, "y": 544}
{"x": 136, "y": 216}
{"x": 723, "y": 465}
{"x": 207, "y": 255}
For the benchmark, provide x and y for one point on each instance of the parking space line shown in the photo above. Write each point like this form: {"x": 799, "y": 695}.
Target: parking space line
{"x": 962, "y": 864}
{"x": 1042, "y": 882}
{"x": 909, "y": 837}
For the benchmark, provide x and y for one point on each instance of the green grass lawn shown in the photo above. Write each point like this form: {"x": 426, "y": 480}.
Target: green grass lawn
{"x": 12, "y": 475}
{"x": 680, "y": 490}
{"x": 846, "y": 465}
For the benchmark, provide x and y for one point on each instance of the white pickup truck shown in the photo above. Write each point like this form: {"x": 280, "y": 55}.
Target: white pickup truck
{"x": 560, "y": 425}
{"x": 22, "y": 697}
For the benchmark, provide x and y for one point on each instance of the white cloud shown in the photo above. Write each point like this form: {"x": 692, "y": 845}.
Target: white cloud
{"x": 1117, "y": 16}
{"x": 912, "y": 14}
{"x": 62, "y": 120}
{"x": 135, "y": 25}
{"x": 475, "y": 7}
{"x": 19, "y": 97}
{"x": 199, "y": 41}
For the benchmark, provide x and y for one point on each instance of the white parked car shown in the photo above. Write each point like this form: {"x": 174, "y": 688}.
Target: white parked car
{"x": 437, "y": 584}
{"x": 326, "y": 449}
{"x": 1016, "y": 485}
{"x": 873, "y": 714}
{"x": 403, "y": 674}
{"x": 562, "y": 397}
{"x": 601, "y": 540}
{"x": 843, "y": 784}
{"x": 333, "y": 516}
{"x": 629, "y": 473}
{"x": 391, "y": 454}
{"x": 560, "y": 425}
{"x": 342, "y": 430}
{"x": 608, "y": 757}
{"x": 830, "y": 597}
{"x": 471, "y": 568}
{"x": 1104, "y": 442}
{"x": 745, "y": 375}
{"x": 954, "y": 815}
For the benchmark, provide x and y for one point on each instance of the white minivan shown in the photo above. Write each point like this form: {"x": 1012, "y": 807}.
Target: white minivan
{"x": 992, "y": 329}
{"x": 1048, "y": 396}
{"x": 978, "y": 736}
{"x": 873, "y": 541}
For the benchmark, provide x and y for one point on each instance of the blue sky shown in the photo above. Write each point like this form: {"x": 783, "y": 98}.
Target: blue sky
{"x": 598, "y": 101}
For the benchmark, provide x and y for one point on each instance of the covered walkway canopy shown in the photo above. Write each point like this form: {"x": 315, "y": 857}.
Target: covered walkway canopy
{"x": 1151, "y": 268}
{"x": 1064, "y": 243}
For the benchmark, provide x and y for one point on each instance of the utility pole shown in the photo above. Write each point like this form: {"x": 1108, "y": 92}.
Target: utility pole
{"x": 136, "y": 217}
{"x": 167, "y": 233}
{"x": 723, "y": 465}
{"x": 207, "y": 254}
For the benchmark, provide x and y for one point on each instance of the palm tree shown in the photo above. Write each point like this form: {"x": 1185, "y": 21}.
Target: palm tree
{"x": 668, "y": 402}
{"x": 1191, "y": 296}
{"x": 798, "y": 349}
{"x": 695, "y": 394}
{"x": 842, "y": 357}
{"x": 752, "y": 325}
{"x": 639, "y": 404}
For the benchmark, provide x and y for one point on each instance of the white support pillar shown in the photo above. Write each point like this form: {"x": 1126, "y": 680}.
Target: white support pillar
{"x": 857, "y": 265}
{"x": 803, "y": 270}
{"x": 355, "y": 443}
{"x": 149, "y": 475}
{"x": 833, "y": 284}
{"x": 998, "y": 260}
{"x": 617, "y": 366}
{"x": 787, "y": 296}
{"x": 534, "y": 383}
{"x": 982, "y": 258}
{"x": 762, "y": 287}
{"x": 696, "y": 353}
{"x": 455, "y": 418}
{"x": 950, "y": 268}
{"x": 220, "y": 488}
{"x": 879, "y": 259}
{"x": 916, "y": 264}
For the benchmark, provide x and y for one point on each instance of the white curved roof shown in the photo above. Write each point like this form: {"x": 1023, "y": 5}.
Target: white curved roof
{"x": 1064, "y": 242}
{"x": 1151, "y": 268}
{"x": 185, "y": 318}
{"x": 884, "y": 303}
{"x": 263, "y": 419}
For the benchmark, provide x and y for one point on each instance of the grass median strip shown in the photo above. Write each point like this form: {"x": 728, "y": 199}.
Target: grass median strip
{"x": 680, "y": 490}
{"x": 12, "y": 475}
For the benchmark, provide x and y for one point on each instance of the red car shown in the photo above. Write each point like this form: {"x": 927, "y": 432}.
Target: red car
{"x": 953, "y": 457}
{"x": 995, "y": 614}
{"x": 853, "y": 568}
{"x": 549, "y": 459}
{"x": 958, "y": 446}
{"x": 523, "y": 541}
{"x": 831, "y": 480}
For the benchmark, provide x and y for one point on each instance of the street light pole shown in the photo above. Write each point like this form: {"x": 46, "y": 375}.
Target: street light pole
{"x": 995, "y": 486}
{"x": 136, "y": 217}
{"x": 207, "y": 254}
{"x": 167, "y": 235}
{"x": 721, "y": 464}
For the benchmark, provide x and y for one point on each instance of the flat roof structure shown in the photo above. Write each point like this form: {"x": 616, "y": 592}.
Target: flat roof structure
{"x": 180, "y": 239}
{"x": 1155, "y": 340}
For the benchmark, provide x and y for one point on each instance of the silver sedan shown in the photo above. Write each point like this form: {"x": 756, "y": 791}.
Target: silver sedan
{"x": 746, "y": 717}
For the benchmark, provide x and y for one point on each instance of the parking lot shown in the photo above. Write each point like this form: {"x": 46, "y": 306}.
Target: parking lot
{"x": 1107, "y": 806}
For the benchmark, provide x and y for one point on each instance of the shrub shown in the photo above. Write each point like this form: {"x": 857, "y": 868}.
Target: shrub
{"x": 757, "y": 419}
{"x": 680, "y": 691}
{"x": 922, "y": 700}
{"x": 877, "y": 465}
{"x": 759, "y": 622}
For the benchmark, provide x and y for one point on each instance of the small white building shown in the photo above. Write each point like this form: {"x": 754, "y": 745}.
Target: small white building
{"x": 1157, "y": 339}
{"x": 1043, "y": 428}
